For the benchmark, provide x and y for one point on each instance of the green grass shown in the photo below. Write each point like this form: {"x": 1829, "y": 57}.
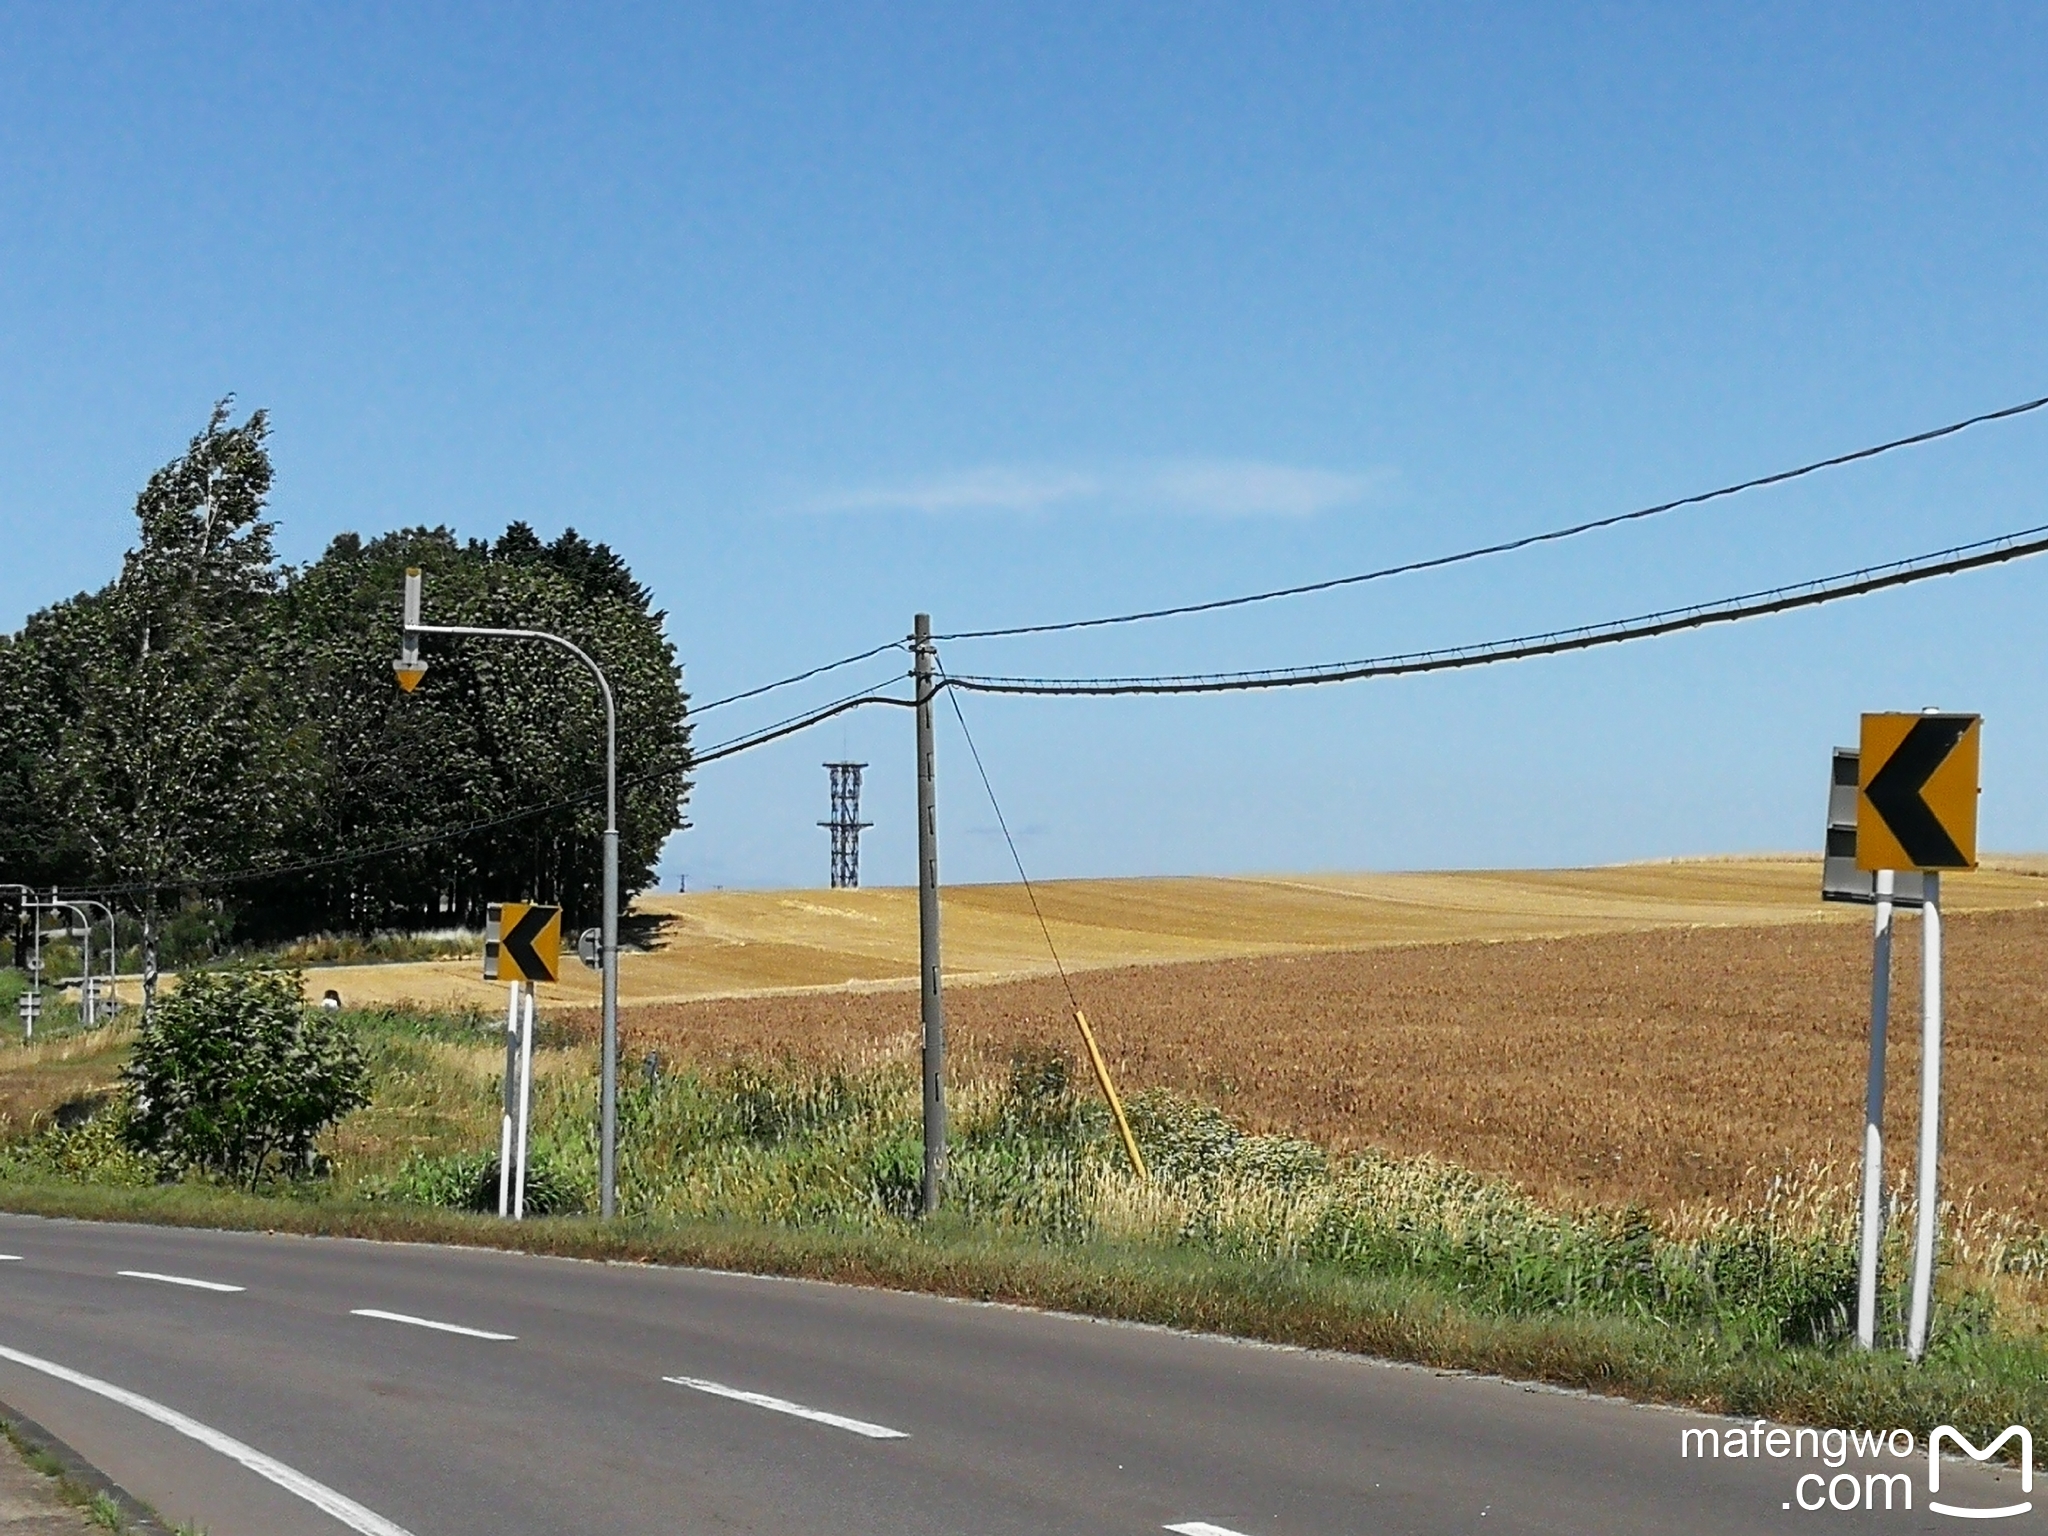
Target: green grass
{"x": 797, "y": 1171}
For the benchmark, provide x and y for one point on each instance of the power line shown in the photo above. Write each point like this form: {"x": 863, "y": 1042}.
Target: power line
{"x": 1016, "y": 858}
{"x": 393, "y": 847}
{"x": 348, "y": 856}
{"x": 800, "y": 677}
{"x": 1948, "y": 562}
{"x": 792, "y": 725}
{"x": 1438, "y": 562}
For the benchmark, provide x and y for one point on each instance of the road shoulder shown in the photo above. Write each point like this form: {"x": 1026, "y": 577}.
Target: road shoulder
{"x": 48, "y": 1489}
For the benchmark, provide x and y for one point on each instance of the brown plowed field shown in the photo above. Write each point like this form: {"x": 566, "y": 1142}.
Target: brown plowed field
{"x": 1658, "y": 1066}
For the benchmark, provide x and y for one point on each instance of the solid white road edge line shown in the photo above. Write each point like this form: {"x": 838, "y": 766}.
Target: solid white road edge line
{"x": 428, "y": 1322}
{"x": 197, "y": 1285}
{"x": 1202, "y": 1528}
{"x": 317, "y": 1494}
{"x": 794, "y": 1410}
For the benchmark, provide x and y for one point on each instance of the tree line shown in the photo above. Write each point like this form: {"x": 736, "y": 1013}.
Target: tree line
{"x": 214, "y": 729}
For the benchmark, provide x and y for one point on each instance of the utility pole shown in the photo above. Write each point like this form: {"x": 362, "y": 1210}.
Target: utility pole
{"x": 932, "y": 1009}
{"x": 410, "y": 668}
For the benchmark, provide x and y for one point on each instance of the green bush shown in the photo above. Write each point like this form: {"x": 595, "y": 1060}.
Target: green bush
{"x": 234, "y": 1076}
{"x": 468, "y": 1181}
{"x": 88, "y": 1146}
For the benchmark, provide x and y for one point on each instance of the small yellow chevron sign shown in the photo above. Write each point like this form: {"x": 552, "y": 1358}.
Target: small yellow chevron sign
{"x": 522, "y": 942}
{"x": 1916, "y": 800}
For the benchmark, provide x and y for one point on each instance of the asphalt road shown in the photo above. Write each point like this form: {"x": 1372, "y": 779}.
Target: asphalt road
{"x": 612, "y": 1407}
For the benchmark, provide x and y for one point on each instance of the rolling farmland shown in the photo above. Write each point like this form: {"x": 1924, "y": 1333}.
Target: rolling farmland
{"x": 1662, "y": 1032}
{"x": 740, "y": 943}
{"x": 1662, "y": 1066}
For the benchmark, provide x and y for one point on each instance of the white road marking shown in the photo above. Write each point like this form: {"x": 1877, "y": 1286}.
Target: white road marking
{"x": 10, "y": 1258}
{"x": 1202, "y": 1528}
{"x": 795, "y": 1410}
{"x": 428, "y": 1322}
{"x": 319, "y": 1495}
{"x": 197, "y": 1285}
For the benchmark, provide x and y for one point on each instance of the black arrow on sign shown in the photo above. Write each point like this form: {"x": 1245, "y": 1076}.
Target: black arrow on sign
{"x": 1895, "y": 792}
{"x": 518, "y": 944}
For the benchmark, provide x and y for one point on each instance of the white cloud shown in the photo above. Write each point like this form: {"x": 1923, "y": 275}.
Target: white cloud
{"x": 996, "y": 488}
{"x": 1248, "y": 488}
{"x": 1186, "y": 487}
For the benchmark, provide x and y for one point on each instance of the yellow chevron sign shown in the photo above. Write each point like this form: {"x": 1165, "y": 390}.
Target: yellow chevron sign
{"x": 523, "y": 942}
{"x": 1916, "y": 800}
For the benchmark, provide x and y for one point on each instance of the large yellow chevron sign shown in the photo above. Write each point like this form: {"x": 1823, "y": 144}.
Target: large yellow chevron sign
{"x": 1916, "y": 800}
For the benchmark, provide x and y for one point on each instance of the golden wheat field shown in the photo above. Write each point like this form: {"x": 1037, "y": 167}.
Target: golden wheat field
{"x": 1662, "y": 1066}
{"x": 734, "y": 943}
{"x": 1666, "y": 1032}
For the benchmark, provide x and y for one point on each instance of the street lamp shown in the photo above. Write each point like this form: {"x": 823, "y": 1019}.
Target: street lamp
{"x": 113, "y": 943}
{"x": 85, "y": 988}
{"x": 410, "y": 669}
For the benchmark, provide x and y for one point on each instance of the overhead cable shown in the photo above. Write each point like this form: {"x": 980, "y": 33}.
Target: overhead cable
{"x": 396, "y": 846}
{"x": 800, "y": 677}
{"x": 1507, "y": 546}
{"x": 1876, "y": 578}
{"x": 792, "y": 725}
{"x": 343, "y": 857}
{"x": 1016, "y": 858}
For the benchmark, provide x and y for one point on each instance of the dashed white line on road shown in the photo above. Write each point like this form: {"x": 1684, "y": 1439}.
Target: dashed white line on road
{"x": 351, "y": 1514}
{"x": 794, "y": 1410}
{"x": 10, "y": 1258}
{"x": 1202, "y": 1528}
{"x": 428, "y": 1322}
{"x": 197, "y": 1285}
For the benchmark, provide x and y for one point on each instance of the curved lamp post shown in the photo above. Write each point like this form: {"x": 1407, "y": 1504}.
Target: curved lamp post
{"x": 410, "y": 669}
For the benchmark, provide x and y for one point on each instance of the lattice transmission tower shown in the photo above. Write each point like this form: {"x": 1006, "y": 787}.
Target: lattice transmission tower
{"x": 845, "y": 825}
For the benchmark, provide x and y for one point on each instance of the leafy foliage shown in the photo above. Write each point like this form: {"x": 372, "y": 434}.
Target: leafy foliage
{"x": 211, "y": 716}
{"x": 233, "y": 1075}
{"x": 468, "y": 1181}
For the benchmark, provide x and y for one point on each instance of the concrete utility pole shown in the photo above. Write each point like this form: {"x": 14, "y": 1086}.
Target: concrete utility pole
{"x": 410, "y": 669}
{"x": 933, "y": 1008}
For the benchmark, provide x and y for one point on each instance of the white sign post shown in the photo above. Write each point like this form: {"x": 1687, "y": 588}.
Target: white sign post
{"x": 1873, "y": 1119}
{"x": 1929, "y": 1195}
{"x": 518, "y": 1101}
{"x": 525, "y": 1103}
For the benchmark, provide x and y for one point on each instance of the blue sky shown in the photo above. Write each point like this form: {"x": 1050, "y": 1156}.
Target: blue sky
{"x": 826, "y": 315}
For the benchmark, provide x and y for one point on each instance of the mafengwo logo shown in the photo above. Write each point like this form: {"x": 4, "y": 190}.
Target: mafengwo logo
{"x": 1846, "y": 1478}
{"x": 1949, "y": 1432}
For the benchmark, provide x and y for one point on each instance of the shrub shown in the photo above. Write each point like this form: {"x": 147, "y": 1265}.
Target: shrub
{"x": 468, "y": 1181}
{"x": 233, "y": 1075}
{"x": 86, "y": 1147}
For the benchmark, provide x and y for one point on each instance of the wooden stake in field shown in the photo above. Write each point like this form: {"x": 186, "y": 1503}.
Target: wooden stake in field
{"x": 1116, "y": 1105}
